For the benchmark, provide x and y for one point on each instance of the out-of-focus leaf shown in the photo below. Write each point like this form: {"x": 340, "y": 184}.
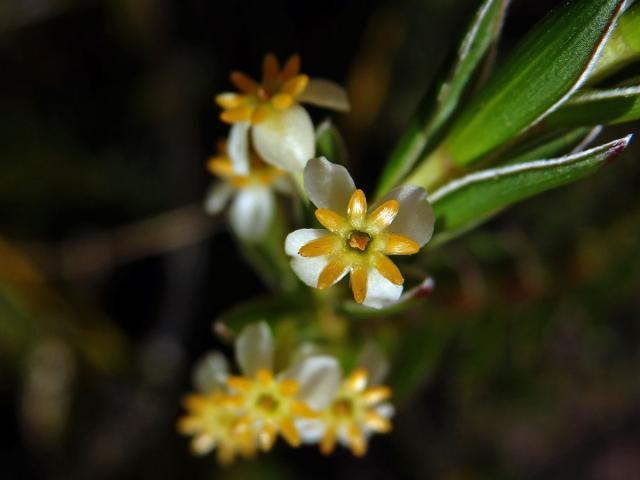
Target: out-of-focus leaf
{"x": 606, "y": 107}
{"x": 539, "y": 75}
{"x": 417, "y": 355}
{"x": 623, "y": 48}
{"x": 329, "y": 143}
{"x": 31, "y": 311}
{"x": 443, "y": 98}
{"x": 268, "y": 309}
{"x": 467, "y": 201}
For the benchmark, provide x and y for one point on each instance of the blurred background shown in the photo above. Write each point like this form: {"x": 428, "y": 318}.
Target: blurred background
{"x": 111, "y": 275}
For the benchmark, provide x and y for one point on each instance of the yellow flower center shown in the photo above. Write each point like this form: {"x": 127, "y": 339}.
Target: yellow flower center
{"x": 278, "y": 91}
{"x": 358, "y": 240}
{"x": 267, "y": 403}
{"x": 358, "y": 243}
{"x": 354, "y": 413}
{"x": 269, "y": 407}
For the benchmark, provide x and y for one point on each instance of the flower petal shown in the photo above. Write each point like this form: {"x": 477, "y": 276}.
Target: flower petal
{"x": 217, "y": 197}
{"x": 319, "y": 378}
{"x": 251, "y": 212}
{"x": 380, "y": 291}
{"x": 328, "y": 185}
{"x": 210, "y": 372}
{"x": 285, "y": 139}
{"x": 254, "y": 348}
{"x": 238, "y": 147}
{"x": 308, "y": 269}
{"x": 415, "y": 218}
{"x": 311, "y": 430}
{"x": 326, "y": 94}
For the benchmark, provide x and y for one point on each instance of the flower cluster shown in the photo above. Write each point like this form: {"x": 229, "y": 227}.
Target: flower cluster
{"x": 271, "y": 142}
{"x": 307, "y": 402}
{"x": 271, "y": 134}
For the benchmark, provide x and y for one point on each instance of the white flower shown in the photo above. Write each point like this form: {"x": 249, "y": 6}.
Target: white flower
{"x": 358, "y": 241}
{"x": 248, "y": 412}
{"x": 281, "y": 130}
{"x": 358, "y": 409}
{"x": 251, "y": 194}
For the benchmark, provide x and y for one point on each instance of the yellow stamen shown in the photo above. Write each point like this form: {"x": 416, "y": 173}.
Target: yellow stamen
{"x": 382, "y": 216}
{"x": 357, "y": 441}
{"x": 241, "y": 384}
{"x": 270, "y": 68}
{"x": 377, "y": 394}
{"x": 290, "y": 432}
{"x": 328, "y": 442}
{"x": 400, "y": 245}
{"x": 233, "y": 115}
{"x": 330, "y": 219}
{"x": 243, "y": 82}
{"x": 359, "y": 278}
{"x": 260, "y": 114}
{"x": 220, "y": 166}
{"x": 377, "y": 422}
{"x": 291, "y": 68}
{"x": 357, "y": 208}
{"x": 282, "y": 101}
{"x": 230, "y": 100}
{"x": 331, "y": 273}
{"x": 357, "y": 381}
{"x": 388, "y": 269}
{"x": 264, "y": 376}
{"x": 267, "y": 437}
{"x": 296, "y": 85}
{"x": 301, "y": 409}
{"x": 319, "y": 247}
{"x": 288, "y": 388}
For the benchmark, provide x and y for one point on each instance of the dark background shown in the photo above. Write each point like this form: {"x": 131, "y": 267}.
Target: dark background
{"x": 110, "y": 275}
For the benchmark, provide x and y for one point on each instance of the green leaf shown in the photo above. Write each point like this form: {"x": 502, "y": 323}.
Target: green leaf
{"x": 329, "y": 143}
{"x": 468, "y": 201}
{"x": 539, "y": 75}
{"x": 440, "y": 102}
{"x": 270, "y": 309}
{"x": 551, "y": 145}
{"x": 595, "y": 107}
{"x": 623, "y": 48}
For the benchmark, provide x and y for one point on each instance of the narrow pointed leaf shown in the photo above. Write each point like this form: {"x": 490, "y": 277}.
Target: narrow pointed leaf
{"x": 622, "y": 49}
{"x": 442, "y": 99}
{"x": 556, "y": 145}
{"x": 606, "y": 107}
{"x": 474, "y": 198}
{"x": 539, "y": 75}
